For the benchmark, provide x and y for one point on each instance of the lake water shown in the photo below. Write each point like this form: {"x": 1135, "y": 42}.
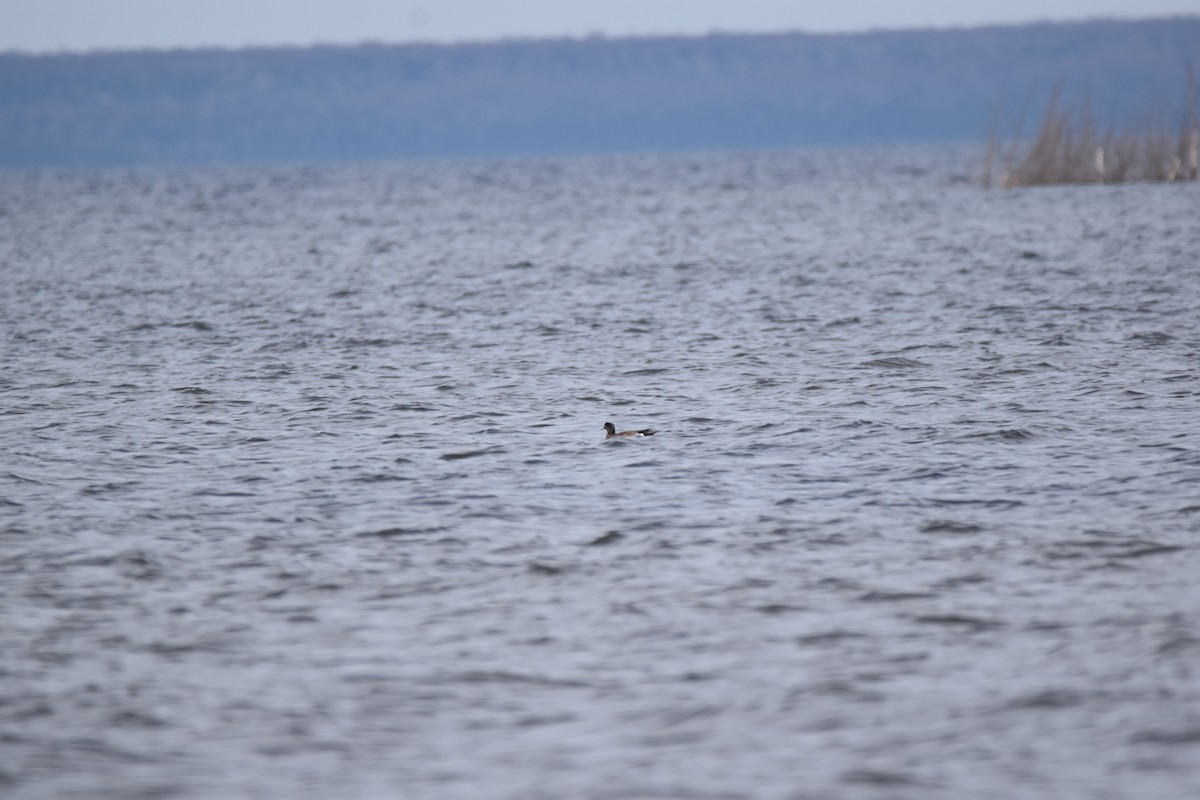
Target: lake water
{"x": 304, "y": 491}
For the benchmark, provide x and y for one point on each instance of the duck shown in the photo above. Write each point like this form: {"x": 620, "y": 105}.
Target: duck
{"x": 611, "y": 432}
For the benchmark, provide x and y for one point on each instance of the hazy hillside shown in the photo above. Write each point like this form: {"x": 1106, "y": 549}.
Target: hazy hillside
{"x": 719, "y": 91}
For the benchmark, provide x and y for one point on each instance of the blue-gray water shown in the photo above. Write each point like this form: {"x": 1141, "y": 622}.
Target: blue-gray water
{"x": 303, "y": 492}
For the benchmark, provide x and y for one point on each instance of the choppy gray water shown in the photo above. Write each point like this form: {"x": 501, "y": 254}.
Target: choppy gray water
{"x": 304, "y": 492}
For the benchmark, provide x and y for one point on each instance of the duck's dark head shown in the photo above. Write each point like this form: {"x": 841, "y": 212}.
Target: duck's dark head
{"x": 610, "y": 429}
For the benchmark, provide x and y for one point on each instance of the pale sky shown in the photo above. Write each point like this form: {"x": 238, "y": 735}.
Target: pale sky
{"x": 76, "y": 25}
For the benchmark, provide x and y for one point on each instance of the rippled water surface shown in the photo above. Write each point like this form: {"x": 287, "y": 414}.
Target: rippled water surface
{"x": 304, "y": 493}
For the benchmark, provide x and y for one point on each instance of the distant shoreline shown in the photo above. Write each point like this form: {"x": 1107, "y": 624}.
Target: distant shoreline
{"x": 565, "y": 96}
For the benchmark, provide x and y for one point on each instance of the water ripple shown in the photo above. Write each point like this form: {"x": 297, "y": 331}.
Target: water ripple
{"x": 304, "y": 488}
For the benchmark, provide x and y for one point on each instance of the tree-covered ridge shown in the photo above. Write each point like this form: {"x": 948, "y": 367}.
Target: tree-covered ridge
{"x": 572, "y": 95}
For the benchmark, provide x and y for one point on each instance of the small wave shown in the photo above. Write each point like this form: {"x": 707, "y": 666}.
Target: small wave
{"x": 895, "y": 362}
{"x": 969, "y": 501}
{"x": 950, "y": 526}
{"x": 1002, "y": 435}
{"x": 829, "y": 636}
{"x": 391, "y": 533}
{"x": 779, "y": 608}
{"x": 1152, "y": 338}
{"x": 501, "y": 676}
{"x": 922, "y": 474}
{"x": 894, "y": 597}
{"x": 878, "y": 777}
{"x": 1170, "y": 737}
{"x": 12, "y": 476}
{"x": 973, "y": 624}
{"x": 1050, "y": 698}
{"x": 471, "y": 453}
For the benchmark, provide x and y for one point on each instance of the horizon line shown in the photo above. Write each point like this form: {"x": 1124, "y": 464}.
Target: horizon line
{"x": 588, "y": 37}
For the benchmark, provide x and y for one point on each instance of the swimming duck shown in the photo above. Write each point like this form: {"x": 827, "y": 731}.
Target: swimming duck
{"x": 611, "y": 432}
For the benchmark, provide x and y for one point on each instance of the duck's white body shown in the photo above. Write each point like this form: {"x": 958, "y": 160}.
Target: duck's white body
{"x": 611, "y": 432}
